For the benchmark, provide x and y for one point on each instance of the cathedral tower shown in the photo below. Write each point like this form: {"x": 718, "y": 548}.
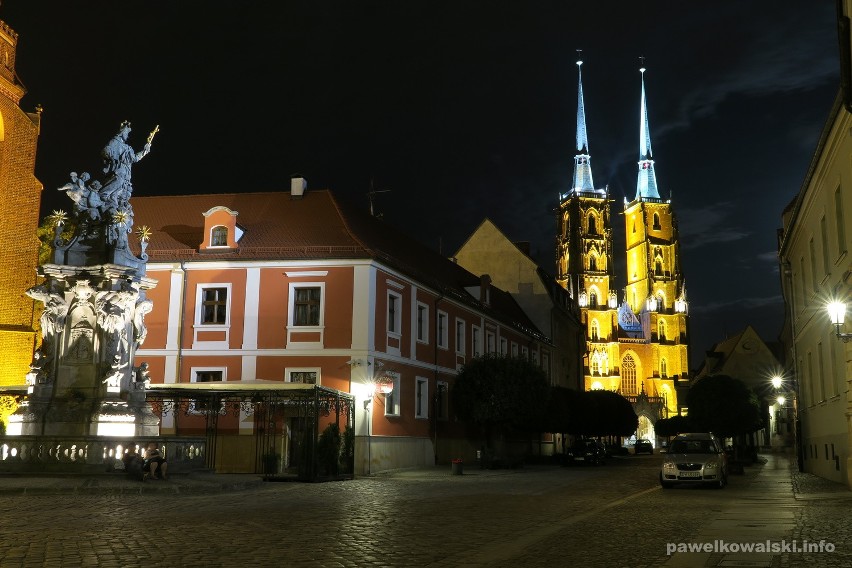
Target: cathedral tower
{"x": 584, "y": 259}
{"x": 19, "y": 217}
{"x": 654, "y": 282}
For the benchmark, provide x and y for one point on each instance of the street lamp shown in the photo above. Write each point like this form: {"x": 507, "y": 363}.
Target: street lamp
{"x": 837, "y": 313}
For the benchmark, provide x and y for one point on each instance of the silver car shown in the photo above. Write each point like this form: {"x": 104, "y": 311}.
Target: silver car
{"x": 696, "y": 458}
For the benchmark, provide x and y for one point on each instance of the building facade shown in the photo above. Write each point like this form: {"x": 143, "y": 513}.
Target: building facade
{"x": 19, "y": 131}
{"x": 277, "y": 288}
{"x": 814, "y": 246}
{"x": 637, "y": 345}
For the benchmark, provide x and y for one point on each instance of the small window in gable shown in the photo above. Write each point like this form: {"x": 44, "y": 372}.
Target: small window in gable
{"x": 219, "y": 237}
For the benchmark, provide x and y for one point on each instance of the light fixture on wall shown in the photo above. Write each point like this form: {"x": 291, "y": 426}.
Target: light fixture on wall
{"x": 837, "y": 313}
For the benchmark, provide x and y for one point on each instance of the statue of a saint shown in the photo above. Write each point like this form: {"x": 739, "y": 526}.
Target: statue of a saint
{"x": 119, "y": 157}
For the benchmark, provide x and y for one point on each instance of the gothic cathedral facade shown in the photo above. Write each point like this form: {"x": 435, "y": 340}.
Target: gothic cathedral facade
{"x": 19, "y": 217}
{"x": 636, "y": 342}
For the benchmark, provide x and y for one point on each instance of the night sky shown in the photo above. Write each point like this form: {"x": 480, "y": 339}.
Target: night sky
{"x": 456, "y": 111}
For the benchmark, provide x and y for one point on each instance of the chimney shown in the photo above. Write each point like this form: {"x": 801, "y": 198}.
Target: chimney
{"x": 485, "y": 289}
{"x": 298, "y": 185}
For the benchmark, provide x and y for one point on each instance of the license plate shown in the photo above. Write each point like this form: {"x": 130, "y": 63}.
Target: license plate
{"x": 690, "y": 474}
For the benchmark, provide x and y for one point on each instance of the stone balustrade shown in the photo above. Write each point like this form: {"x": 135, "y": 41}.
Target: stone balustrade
{"x": 92, "y": 454}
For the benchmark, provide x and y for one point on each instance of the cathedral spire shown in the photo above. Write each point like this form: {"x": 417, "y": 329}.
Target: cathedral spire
{"x": 646, "y": 185}
{"x": 582, "y": 166}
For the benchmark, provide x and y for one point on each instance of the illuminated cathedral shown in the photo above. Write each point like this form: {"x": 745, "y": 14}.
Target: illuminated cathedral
{"x": 19, "y": 216}
{"x": 636, "y": 336}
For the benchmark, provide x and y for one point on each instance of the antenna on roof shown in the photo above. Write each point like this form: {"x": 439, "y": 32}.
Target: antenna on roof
{"x": 371, "y": 195}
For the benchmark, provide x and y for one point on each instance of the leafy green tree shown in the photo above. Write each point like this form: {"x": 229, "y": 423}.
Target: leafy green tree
{"x": 500, "y": 394}
{"x": 725, "y": 406}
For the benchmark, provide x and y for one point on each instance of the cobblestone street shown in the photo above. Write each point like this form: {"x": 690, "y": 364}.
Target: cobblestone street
{"x": 615, "y": 515}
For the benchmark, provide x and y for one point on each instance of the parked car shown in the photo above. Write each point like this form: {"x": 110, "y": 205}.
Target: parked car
{"x": 643, "y": 447}
{"x": 586, "y": 451}
{"x": 695, "y": 458}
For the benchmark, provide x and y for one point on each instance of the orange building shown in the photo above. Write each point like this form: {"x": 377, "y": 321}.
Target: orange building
{"x": 281, "y": 289}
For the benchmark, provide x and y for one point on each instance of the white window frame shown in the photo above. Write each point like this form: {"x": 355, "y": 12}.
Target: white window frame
{"x": 525, "y": 352}
{"x": 460, "y": 336}
{"x": 394, "y": 318}
{"x": 288, "y": 371}
{"x": 441, "y": 329}
{"x": 476, "y": 340}
{"x": 193, "y": 376}
{"x": 392, "y": 406}
{"x": 421, "y": 322}
{"x": 291, "y": 316}
{"x": 490, "y": 342}
{"x": 421, "y": 398}
{"x": 514, "y": 349}
{"x": 201, "y": 327}
{"x": 504, "y": 346}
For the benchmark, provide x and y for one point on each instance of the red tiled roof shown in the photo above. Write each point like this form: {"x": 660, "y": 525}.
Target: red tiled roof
{"x": 315, "y": 226}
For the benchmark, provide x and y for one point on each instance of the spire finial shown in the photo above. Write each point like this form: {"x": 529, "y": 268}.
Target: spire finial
{"x": 642, "y": 62}
{"x": 579, "y": 57}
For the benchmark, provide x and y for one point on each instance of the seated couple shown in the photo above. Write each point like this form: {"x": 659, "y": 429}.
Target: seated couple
{"x": 154, "y": 465}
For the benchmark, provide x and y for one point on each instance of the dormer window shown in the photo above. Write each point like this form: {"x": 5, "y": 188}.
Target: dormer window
{"x": 221, "y": 230}
{"x": 219, "y": 237}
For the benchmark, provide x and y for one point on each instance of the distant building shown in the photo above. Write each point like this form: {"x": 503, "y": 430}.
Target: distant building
{"x": 295, "y": 287}
{"x": 19, "y": 217}
{"x": 636, "y": 345}
{"x": 745, "y": 356}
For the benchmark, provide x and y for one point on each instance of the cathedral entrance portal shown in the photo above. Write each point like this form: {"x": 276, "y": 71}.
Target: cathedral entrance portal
{"x": 645, "y": 429}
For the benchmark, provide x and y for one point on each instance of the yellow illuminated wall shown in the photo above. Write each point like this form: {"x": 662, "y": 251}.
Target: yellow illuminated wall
{"x": 19, "y": 214}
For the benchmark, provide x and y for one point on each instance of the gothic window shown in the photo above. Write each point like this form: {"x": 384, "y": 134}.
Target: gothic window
{"x": 596, "y": 365}
{"x": 661, "y": 329}
{"x": 592, "y": 226}
{"x": 657, "y": 222}
{"x": 593, "y": 263}
{"x": 593, "y": 299}
{"x": 658, "y": 267}
{"x": 595, "y": 330}
{"x": 664, "y": 373}
{"x": 628, "y": 375}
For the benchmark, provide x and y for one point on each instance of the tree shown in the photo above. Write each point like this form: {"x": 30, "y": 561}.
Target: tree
{"x": 605, "y": 413}
{"x": 725, "y": 406}
{"x": 501, "y": 393}
{"x": 673, "y": 426}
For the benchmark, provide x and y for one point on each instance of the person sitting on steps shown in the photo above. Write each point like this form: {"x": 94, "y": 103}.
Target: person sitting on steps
{"x": 155, "y": 464}
{"x": 133, "y": 462}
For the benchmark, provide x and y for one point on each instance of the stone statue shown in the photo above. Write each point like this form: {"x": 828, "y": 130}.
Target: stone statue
{"x": 114, "y": 309}
{"x": 55, "y": 310}
{"x": 139, "y": 330}
{"x": 119, "y": 157}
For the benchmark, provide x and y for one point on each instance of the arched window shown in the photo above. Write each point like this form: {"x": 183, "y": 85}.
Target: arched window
{"x": 664, "y": 373}
{"x": 658, "y": 268}
{"x": 661, "y": 329}
{"x": 628, "y": 375}
{"x": 593, "y": 299}
{"x": 593, "y": 263}
{"x": 594, "y": 330}
{"x": 219, "y": 237}
{"x": 596, "y": 365}
{"x": 657, "y": 222}
{"x": 592, "y": 225}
